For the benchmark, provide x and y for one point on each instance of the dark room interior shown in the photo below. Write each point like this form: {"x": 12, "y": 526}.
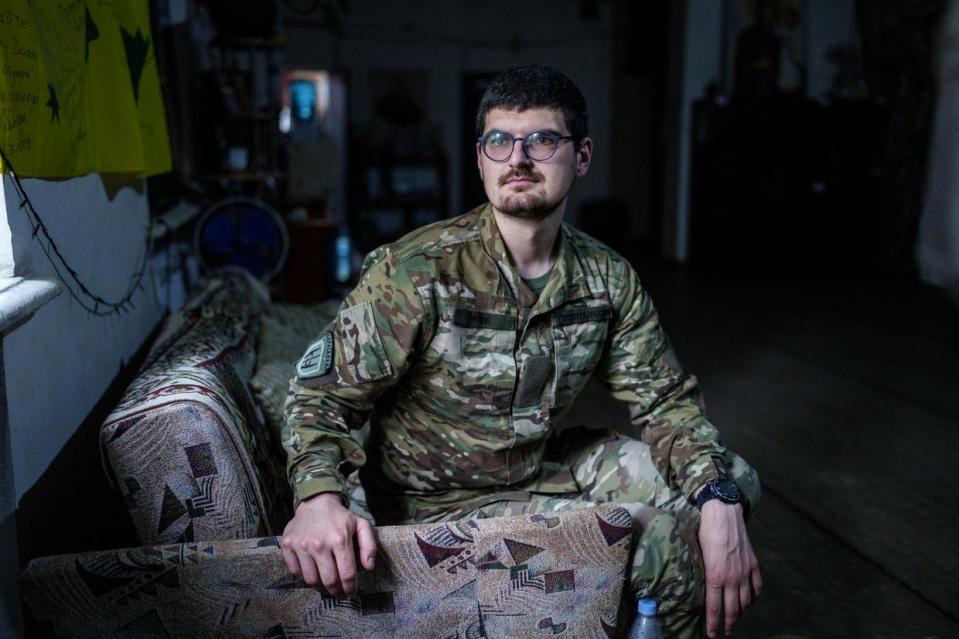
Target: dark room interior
{"x": 782, "y": 175}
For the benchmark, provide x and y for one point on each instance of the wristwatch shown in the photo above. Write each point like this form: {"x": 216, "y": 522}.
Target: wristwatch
{"x": 721, "y": 489}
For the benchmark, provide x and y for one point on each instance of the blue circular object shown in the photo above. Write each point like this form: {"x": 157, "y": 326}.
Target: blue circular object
{"x": 244, "y": 232}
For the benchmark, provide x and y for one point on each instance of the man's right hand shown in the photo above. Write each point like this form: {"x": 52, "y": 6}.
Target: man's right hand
{"x": 318, "y": 544}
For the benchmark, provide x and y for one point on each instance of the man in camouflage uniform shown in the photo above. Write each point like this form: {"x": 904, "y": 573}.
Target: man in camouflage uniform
{"x": 466, "y": 341}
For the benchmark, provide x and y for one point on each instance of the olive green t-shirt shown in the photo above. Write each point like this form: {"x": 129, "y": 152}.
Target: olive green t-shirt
{"x": 537, "y": 284}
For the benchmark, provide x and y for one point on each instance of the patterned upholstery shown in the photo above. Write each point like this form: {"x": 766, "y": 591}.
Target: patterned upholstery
{"x": 526, "y": 576}
{"x": 285, "y": 332}
{"x": 187, "y": 444}
{"x": 202, "y": 477}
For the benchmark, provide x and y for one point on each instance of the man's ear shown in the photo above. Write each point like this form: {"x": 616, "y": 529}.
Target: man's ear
{"x": 584, "y": 155}
{"x": 479, "y": 160}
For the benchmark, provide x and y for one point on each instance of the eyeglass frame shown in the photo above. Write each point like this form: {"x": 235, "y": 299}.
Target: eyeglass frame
{"x": 522, "y": 138}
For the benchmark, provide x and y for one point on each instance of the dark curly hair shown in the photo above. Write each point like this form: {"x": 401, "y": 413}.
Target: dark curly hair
{"x": 531, "y": 87}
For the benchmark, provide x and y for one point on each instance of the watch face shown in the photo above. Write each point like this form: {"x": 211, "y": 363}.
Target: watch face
{"x": 721, "y": 489}
{"x": 727, "y": 491}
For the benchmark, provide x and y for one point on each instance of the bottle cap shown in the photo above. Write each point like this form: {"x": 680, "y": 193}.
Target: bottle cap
{"x": 646, "y": 606}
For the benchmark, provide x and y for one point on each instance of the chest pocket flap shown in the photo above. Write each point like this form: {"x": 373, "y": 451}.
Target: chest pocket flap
{"x": 579, "y": 337}
{"x": 479, "y": 357}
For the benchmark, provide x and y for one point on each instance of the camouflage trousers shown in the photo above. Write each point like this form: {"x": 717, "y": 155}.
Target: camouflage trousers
{"x": 665, "y": 559}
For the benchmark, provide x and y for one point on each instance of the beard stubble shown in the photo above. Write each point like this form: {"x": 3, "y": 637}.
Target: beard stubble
{"x": 527, "y": 205}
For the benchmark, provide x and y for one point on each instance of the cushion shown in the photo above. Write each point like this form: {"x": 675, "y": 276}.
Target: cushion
{"x": 523, "y": 576}
{"x": 187, "y": 444}
{"x": 285, "y": 332}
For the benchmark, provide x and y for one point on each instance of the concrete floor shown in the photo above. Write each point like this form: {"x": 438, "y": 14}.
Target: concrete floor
{"x": 845, "y": 397}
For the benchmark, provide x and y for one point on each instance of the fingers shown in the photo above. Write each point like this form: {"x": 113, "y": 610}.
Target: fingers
{"x": 308, "y": 571}
{"x": 319, "y": 548}
{"x": 757, "y": 581}
{"x": 366, "y": 543}
{"x": 751, "y": 585}
{"x": 297, "y": 560}
{"x": 745, "y": 595}
{"x": 714, "y": 602}
{"x": 342, "y": 548}
{"x": 329, "y": 575}
{"x": 731, "y": 608}
{"x": 307, "y": 560}
{"x": 292, "y": 563}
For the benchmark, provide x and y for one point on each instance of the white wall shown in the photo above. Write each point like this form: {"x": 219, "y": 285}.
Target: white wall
{"x": 59, "y": 363}
{"x": 11, "y": 619}
{"x": 6, "y": 242}
{"x": 452, "y": 38}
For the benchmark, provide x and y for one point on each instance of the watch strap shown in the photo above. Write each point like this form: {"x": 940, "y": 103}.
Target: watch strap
{"x": 722, "y": 489}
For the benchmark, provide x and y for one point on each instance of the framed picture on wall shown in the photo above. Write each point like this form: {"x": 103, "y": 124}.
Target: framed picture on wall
{"x": 764, "y": 48}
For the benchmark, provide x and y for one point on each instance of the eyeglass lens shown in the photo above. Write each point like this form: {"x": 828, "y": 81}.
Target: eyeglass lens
{"x": 541, "y": 145}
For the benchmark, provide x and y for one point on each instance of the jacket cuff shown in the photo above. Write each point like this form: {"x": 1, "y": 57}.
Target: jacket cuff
{"x": 699, "y": 473}
{"x": 313, "y": 487}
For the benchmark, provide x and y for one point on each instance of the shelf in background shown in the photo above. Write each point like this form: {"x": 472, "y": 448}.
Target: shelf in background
{"x": 244, "y": 176}
{"x": 276, "y": 42}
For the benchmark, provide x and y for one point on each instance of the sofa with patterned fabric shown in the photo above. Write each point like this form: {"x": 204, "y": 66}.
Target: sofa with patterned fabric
{"x": 193, "y": 449}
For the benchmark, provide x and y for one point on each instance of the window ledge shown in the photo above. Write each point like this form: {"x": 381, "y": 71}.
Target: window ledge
{"x": 20, "y": 298}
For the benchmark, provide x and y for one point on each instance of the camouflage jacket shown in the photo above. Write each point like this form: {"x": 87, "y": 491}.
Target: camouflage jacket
{"x": 463, "y": 372}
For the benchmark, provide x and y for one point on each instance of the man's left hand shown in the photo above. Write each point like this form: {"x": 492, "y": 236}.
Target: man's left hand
{"x": 733, "y": 580}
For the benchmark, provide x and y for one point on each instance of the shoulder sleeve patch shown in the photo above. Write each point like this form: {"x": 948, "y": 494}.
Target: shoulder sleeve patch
{"x": 318, "y": 359}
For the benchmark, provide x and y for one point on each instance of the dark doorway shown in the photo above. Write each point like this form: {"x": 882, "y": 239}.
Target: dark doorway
{"x": 474, "y": 84}
{"x": 631, "y": 218}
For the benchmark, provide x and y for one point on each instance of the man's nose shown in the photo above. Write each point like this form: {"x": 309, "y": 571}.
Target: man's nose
{"x": 519, "y": 157}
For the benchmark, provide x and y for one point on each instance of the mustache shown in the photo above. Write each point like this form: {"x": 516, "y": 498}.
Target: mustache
{"x": 530, "y": 174}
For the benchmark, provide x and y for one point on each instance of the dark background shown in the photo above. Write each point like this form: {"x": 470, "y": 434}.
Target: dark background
{"x": 775, "y": 226}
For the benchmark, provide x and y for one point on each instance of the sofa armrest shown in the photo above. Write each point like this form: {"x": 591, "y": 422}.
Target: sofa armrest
{"x": 187, "y": 445}
{"x": 184, "y": 473}
{"x": 500, "y": 577}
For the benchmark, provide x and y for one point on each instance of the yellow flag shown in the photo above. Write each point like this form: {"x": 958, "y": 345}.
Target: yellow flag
{"x": 79, "y": 89}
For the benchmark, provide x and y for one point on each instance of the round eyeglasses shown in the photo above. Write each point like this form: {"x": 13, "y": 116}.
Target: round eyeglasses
{"x": 539, "y": 145}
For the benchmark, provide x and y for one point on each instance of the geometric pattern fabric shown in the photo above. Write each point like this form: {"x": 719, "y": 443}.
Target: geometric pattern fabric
{"x": 501, "y": 577}
{"x": 202, "y": 477}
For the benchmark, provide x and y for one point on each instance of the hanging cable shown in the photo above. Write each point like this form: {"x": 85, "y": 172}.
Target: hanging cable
{"x": 90, "y": 302}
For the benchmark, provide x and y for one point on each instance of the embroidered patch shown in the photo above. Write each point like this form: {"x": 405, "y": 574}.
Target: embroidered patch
{"x": 477, "y": 319}
{"x": 579, "y": 315}
{"x": 318, "y": 358}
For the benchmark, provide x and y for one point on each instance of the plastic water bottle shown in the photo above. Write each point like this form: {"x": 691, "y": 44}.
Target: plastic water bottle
{"x": 646, "y": 625}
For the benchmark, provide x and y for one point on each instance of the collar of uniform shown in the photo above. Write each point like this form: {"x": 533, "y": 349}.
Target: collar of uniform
{"x": 569, "y": 279}
{"x": 567, "y": 284}
{"x": 495, "y": 248}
